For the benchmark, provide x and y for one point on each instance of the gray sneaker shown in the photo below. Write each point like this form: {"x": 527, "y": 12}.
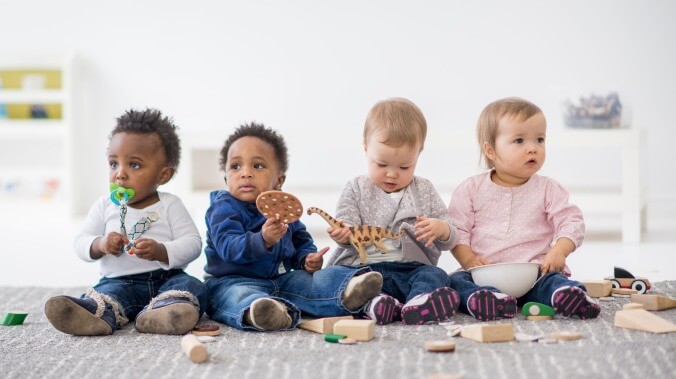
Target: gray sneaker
{"x": 360, "y": 289}
{"x": 168, "y": 316}
{"x": 268, "y": 314}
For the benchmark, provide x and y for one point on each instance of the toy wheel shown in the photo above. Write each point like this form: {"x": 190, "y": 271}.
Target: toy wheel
{"x": 639, "y": 285}
{"x": 615, "y": 283}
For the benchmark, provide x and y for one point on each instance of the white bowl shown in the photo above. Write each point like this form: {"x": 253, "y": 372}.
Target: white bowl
{"x": 514, "y": 279}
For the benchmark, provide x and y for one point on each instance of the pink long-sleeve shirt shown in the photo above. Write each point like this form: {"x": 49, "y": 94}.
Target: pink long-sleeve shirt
{"x": 514, "y": 224}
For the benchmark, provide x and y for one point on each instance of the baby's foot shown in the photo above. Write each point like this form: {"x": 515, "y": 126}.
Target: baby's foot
{"x": 435, "y": 306}
{"x": 361, "y": 289}
{"x": 268, "y": 314}
{"x": 168, "y": 316}
{"x": 573, "y": 301}
{"x": 383, "y": 309}
{"x": 80, "y": 317}
{"x": 485, "y": 305}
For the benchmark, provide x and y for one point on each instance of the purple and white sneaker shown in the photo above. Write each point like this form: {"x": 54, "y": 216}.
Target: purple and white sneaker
{"x": 383, "y": 309}
{"x": 435, "y": 306}
{"x": 573, "y": 301}
{"x": 485, "y": 305}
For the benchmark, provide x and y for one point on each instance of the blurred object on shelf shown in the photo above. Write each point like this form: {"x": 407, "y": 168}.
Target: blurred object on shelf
{"x": 38, "y": 111}
{"x": 33, "y": 81}
{"x": 16, "y": 187}
{"x": 594, "y": 112}
{"x": 3, "y": 106}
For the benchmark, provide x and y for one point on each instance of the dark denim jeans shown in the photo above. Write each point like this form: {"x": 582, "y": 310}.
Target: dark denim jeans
{"x": 133, "y": 292}
{"x": 404, "y": 281}
{"x": 541, "y": 292}
{"x": 318, "y": 294}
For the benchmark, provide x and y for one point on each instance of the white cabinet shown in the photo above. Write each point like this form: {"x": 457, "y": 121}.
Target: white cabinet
{"x": 36, "y": 133}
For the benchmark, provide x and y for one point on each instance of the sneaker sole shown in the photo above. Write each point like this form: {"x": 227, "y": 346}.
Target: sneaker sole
{"x": 485, "y": 306}
{"x": 441, "y": 305}
{"x": 176, "y": 318}
{"x": 266, "y": 315}
{"x": 68, "y": 317}
{"x": 573, "y": 302}
{"x": 367, "y": 289}
{"x": 385, "y": 311}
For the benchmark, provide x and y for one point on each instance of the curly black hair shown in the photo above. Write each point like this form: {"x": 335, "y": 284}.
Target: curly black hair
{"x": 152, "y": 121}
{"x": 270, "y": 136}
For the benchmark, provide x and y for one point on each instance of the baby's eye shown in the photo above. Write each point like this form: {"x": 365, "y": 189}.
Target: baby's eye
{"x": 381, "y": 165}
{"x": 134, "y": 165}
{"x": 541, "y": 139}
{"x": 404, "y": 168}
{"x": 234, "y": 166}
{"x": 518, "y": 140}
{"x": 258, "y": 166}
{"x": 112, "y": 164}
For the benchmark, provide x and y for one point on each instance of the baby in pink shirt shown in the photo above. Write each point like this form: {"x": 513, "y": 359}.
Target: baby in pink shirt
{"x": 511, "y": 214}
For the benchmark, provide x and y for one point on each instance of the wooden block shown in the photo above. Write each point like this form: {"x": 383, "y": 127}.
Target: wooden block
{"x": 640, "y": 319}
{"x": 565, "y": 336}
{"x": 623, "y": 291}
{"x": 633, "y": 306}
{"x": 194, "y": 349}
{"x": 539, "y": 318}
{"x": 489, "y": 332}
{"x": 334, "y": 338}
{"x": 322, "y": 325}
{"x": 654, "y": 302}
{"x": 14, "y": 318}
{"x": 598, "y": 288}
{"x": 361, "y": 330}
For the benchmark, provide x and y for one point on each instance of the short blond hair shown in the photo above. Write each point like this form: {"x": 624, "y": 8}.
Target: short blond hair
{"x": 400, "y": 119}
{"x": 487, "y": 126}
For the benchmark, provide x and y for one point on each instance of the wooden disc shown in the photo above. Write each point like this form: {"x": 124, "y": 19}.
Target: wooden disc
{"x": 539, "y": 318}
{"x": 206, "y": 330}
{"x": 440, "y": 346}
{"x": 565, "y": 336}
{"x": 347, "y": 341}
{"x": 277, "y": 203}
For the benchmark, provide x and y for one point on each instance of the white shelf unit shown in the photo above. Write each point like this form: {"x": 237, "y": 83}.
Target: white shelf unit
{"x": 448, "y": 158}
{"x": 36, "y": 154}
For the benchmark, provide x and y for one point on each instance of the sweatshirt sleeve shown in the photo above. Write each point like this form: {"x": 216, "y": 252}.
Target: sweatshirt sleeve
{"x": 462, "y": 212}
{"x": 186, "y": 244}
{"x": 565, "y": 217}
{"x": 93, "y": 227}
{"x": 231, "y": 241}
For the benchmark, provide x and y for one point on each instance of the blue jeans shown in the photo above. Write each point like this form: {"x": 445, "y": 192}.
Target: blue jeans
{"x": 405, "y": 280}
{"x": 133, "y": 292}
{"x": 318, "y": 294}
{"x": 541, "y": 292}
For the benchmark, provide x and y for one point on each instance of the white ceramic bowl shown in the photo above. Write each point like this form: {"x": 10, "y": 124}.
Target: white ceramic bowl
{"x": 514, "y": 279}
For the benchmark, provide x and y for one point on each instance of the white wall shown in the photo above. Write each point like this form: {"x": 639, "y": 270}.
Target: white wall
{"x": 312, "y": 69}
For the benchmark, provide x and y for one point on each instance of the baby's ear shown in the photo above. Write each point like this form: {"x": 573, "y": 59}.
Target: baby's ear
{"x": 166, "y": 174}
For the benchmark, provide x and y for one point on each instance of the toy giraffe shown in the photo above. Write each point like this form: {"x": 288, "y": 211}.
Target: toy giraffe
{"x": 362, "y": 235}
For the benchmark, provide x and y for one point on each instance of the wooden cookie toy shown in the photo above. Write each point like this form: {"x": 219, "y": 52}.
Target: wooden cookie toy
{"x": 440, "y": 346}
{"x": 279, "y": 204}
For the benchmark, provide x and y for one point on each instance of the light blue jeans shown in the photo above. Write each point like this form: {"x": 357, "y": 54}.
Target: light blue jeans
{"x": 318, "y": 294}
{"x": 134, "y": 292}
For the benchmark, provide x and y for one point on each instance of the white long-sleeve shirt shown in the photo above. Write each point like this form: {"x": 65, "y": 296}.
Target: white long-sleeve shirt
{"x": 174, "y": 228}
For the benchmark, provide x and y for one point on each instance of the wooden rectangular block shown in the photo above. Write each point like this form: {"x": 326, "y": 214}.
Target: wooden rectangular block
{"x": 489, "y": 332}
{"x": 623, "y": 291}
{"x": 361, "y": 330}
{"x": 598, "y": 288}
{"x": 633, "y": 306}
{"x": 654, "y": 302}
{"x": 322, "y": 325}
{"x": 640, "y": 319}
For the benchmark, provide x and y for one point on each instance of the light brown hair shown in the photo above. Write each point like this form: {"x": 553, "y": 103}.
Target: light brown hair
{"x": 400, "y": 119}
{"x": 487, "y": 126}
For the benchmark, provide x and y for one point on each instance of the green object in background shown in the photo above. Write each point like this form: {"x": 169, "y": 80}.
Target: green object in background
{"x": 14, "y": 318}
{"x": 333, "y": 337}
{"x": 536, "y": 309}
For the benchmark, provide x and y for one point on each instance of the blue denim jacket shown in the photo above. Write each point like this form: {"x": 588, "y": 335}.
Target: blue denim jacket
{"x": 235, "y": 243}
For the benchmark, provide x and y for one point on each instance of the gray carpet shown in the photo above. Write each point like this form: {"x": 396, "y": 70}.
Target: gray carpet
{"x": 36, "y": 350}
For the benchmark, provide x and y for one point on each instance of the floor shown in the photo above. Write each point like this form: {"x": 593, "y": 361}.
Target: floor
{"x": 38, "y": 251}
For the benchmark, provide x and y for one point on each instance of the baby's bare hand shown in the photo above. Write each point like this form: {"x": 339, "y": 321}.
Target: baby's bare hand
{"x": 314, "y": 261}
{"x": 112, "y": 243}
{"x": 431, "y": 229}
{"x": 340, "y": 235}
{"x": 554, "y": 261}
{"x": 273, "y": 230}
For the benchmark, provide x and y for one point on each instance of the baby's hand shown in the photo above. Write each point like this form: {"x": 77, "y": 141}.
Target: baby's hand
{"x": 476, "y": 261}
{"x": 554, "y": 261}
{"x": 112, "y": 243}
{"x": 273, "y": 230}
{"x": 314, "y": 261}
{"x": 340, "y": 235}
{"x": 150, "y": 250}
{"x": 431, "y": 229}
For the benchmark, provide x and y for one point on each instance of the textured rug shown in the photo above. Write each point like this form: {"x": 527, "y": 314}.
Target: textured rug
{"x": 36, "y": 350}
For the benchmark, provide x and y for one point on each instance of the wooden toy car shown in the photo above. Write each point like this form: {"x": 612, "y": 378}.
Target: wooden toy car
{"x": 624, "y": 279}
